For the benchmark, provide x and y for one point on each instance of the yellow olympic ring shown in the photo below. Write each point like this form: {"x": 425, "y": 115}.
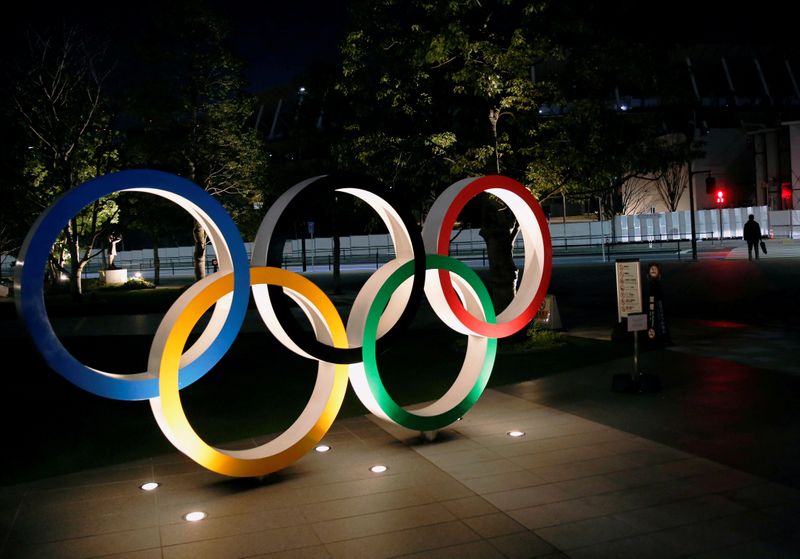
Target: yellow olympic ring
{"x": 315, "y": 420}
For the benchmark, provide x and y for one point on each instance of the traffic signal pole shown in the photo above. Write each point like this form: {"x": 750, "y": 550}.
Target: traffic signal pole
{"x": 691, "y": 207}
{"x": 691, "y": 210}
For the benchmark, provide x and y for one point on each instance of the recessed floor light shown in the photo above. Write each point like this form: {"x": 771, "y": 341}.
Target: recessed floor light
{"x": 322, "y": 448}
{"x": 516, "y": 433}
{"x": 378, "y": 469}
{"x": 194, "y": 516}
{"x": 149, "y": 486}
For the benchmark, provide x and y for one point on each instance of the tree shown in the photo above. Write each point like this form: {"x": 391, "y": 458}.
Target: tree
{"x": 671, "y": 185}
{"x": 636, "y": 195}
{"x": 439, "y": 90}
{"x": 195, "y": 118}
{"x": 60, "y": 100}
{"x": 155, "y": 217}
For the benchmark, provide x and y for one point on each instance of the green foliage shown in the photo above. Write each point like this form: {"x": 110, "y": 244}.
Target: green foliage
{"x": 136, "y": 283}
{"x": 440, "y": 89}
{"x": 62, "y": 111}
{"x": 196, "y": 119}
{"x": 539, "y": 337}
{"x": 436, "y": 90}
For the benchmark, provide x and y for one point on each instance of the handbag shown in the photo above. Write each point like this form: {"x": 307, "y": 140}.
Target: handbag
{"x": 764, "y": 247}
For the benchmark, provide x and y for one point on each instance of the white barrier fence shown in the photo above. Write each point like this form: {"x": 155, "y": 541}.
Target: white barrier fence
{"x": 655, "y": 227}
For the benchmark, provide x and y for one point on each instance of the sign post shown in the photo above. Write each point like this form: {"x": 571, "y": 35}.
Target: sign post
{"x": 629, "y": 307}
{"x": 636, "y": 323}
{"x": 629, "y": 288}
{"x": 657, "y": 331}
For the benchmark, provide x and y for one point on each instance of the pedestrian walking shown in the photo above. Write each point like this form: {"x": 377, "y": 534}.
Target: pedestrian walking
{"x": 752, "y": 234}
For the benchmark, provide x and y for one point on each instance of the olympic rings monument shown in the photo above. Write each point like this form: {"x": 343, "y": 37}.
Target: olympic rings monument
{"x": 384, "y": 306}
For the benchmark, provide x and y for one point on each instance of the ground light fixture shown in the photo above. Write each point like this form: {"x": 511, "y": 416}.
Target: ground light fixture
{"x": 194, "y": 516}
{"x": 379, "y": 469}
{"x": 149, "y": 486}
{"x": 323, "y": 448}
{"x": 516, "y": 434}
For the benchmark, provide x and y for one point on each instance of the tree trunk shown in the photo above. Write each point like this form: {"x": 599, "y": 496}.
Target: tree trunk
{"x": 494, "y": 116}
{"x": 337, "y": 264}
{"x": 199, "y": 258}
{"x": 498, "y": 232}
{"x": 74, "y": 260}
{"x": 337, "y": 249}
{"x": 156, "y": 261}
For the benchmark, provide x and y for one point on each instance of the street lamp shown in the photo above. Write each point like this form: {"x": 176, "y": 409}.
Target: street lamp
{"x": 691, "y": 206}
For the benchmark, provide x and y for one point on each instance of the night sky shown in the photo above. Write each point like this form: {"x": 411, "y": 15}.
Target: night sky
{"x": 278, "y": 40}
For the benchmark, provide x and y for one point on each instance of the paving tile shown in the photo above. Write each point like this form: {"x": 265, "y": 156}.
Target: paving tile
{"x": 366, "y": 504}
{"x": 93, "y": 546}
{"x": 542, "y": 430}
{"x": 582, "y": 468}
{"x": 775, "y": 548}
{"x": 464, "y": 472}
{"x": 646, "y": 495}
{"x": 219, "y": 527}
{"x": 446, "y": 445}
{"x": 608, "y": 437}
{"x": 154, "y": 553}
{"x": 87, "y": 492}
{"x": 467, "y": 507}
{"x": 522, "y": 545}
{"x": 644, "y": 546}
{"x": 311, "y": 552}
{"x": 631, "y": 445}
{"x": 503, "y": 482}
{"x": 402, "y": 542}
{"x": 585, "y": 486}
{"x": 724, "y": 480}
{"x": 446, "y": 460}
{"x": 663, "y": 456}
{"x": 787, "y": 516}
{"x": 553, "y": 514}
{"x": 525, "y": 497}
{"x": 493, "y": 525}
{"x": 265, "y": 541}
{"x": 586, "y": 532}
{"x": 764, "y": 495}
{"x": 688, "y": 467}
{"x": 448, "y": 489}
{"x": 472, "y": 550}
{"x": 718, "y": 533}
{"x": 640, "y": 476}
{"x": 681, "y": 512}
{"x": 376, "y": 523}
{"x": 561, "y": 456}
{"x": 471, "y": 492}
{"x": 95, "y": 477}
{"x": 77, "y": 522}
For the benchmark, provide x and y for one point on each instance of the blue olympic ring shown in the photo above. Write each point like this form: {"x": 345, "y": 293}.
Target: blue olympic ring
{"x": 35, "y": 251}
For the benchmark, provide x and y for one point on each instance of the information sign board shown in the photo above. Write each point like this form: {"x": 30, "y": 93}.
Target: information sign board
{"x": 629, "y": 288}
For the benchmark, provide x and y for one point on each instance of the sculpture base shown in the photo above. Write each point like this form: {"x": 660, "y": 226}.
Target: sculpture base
{"x": 116, "y": 277}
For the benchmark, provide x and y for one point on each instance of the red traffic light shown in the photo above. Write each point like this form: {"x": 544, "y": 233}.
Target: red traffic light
{"x": 720, "y": 197}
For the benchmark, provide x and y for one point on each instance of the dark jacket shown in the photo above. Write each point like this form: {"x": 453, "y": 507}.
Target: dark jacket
{"x": 752, "y": 231}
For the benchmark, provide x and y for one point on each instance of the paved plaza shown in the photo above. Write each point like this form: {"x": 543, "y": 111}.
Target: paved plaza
{"x": 707, "y": 468}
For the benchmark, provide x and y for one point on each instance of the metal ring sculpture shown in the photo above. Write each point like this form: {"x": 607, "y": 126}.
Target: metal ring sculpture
{"x": 384, "y": 306}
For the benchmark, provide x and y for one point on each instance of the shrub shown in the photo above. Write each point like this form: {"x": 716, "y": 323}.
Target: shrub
{"x": 136, "y": 283}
